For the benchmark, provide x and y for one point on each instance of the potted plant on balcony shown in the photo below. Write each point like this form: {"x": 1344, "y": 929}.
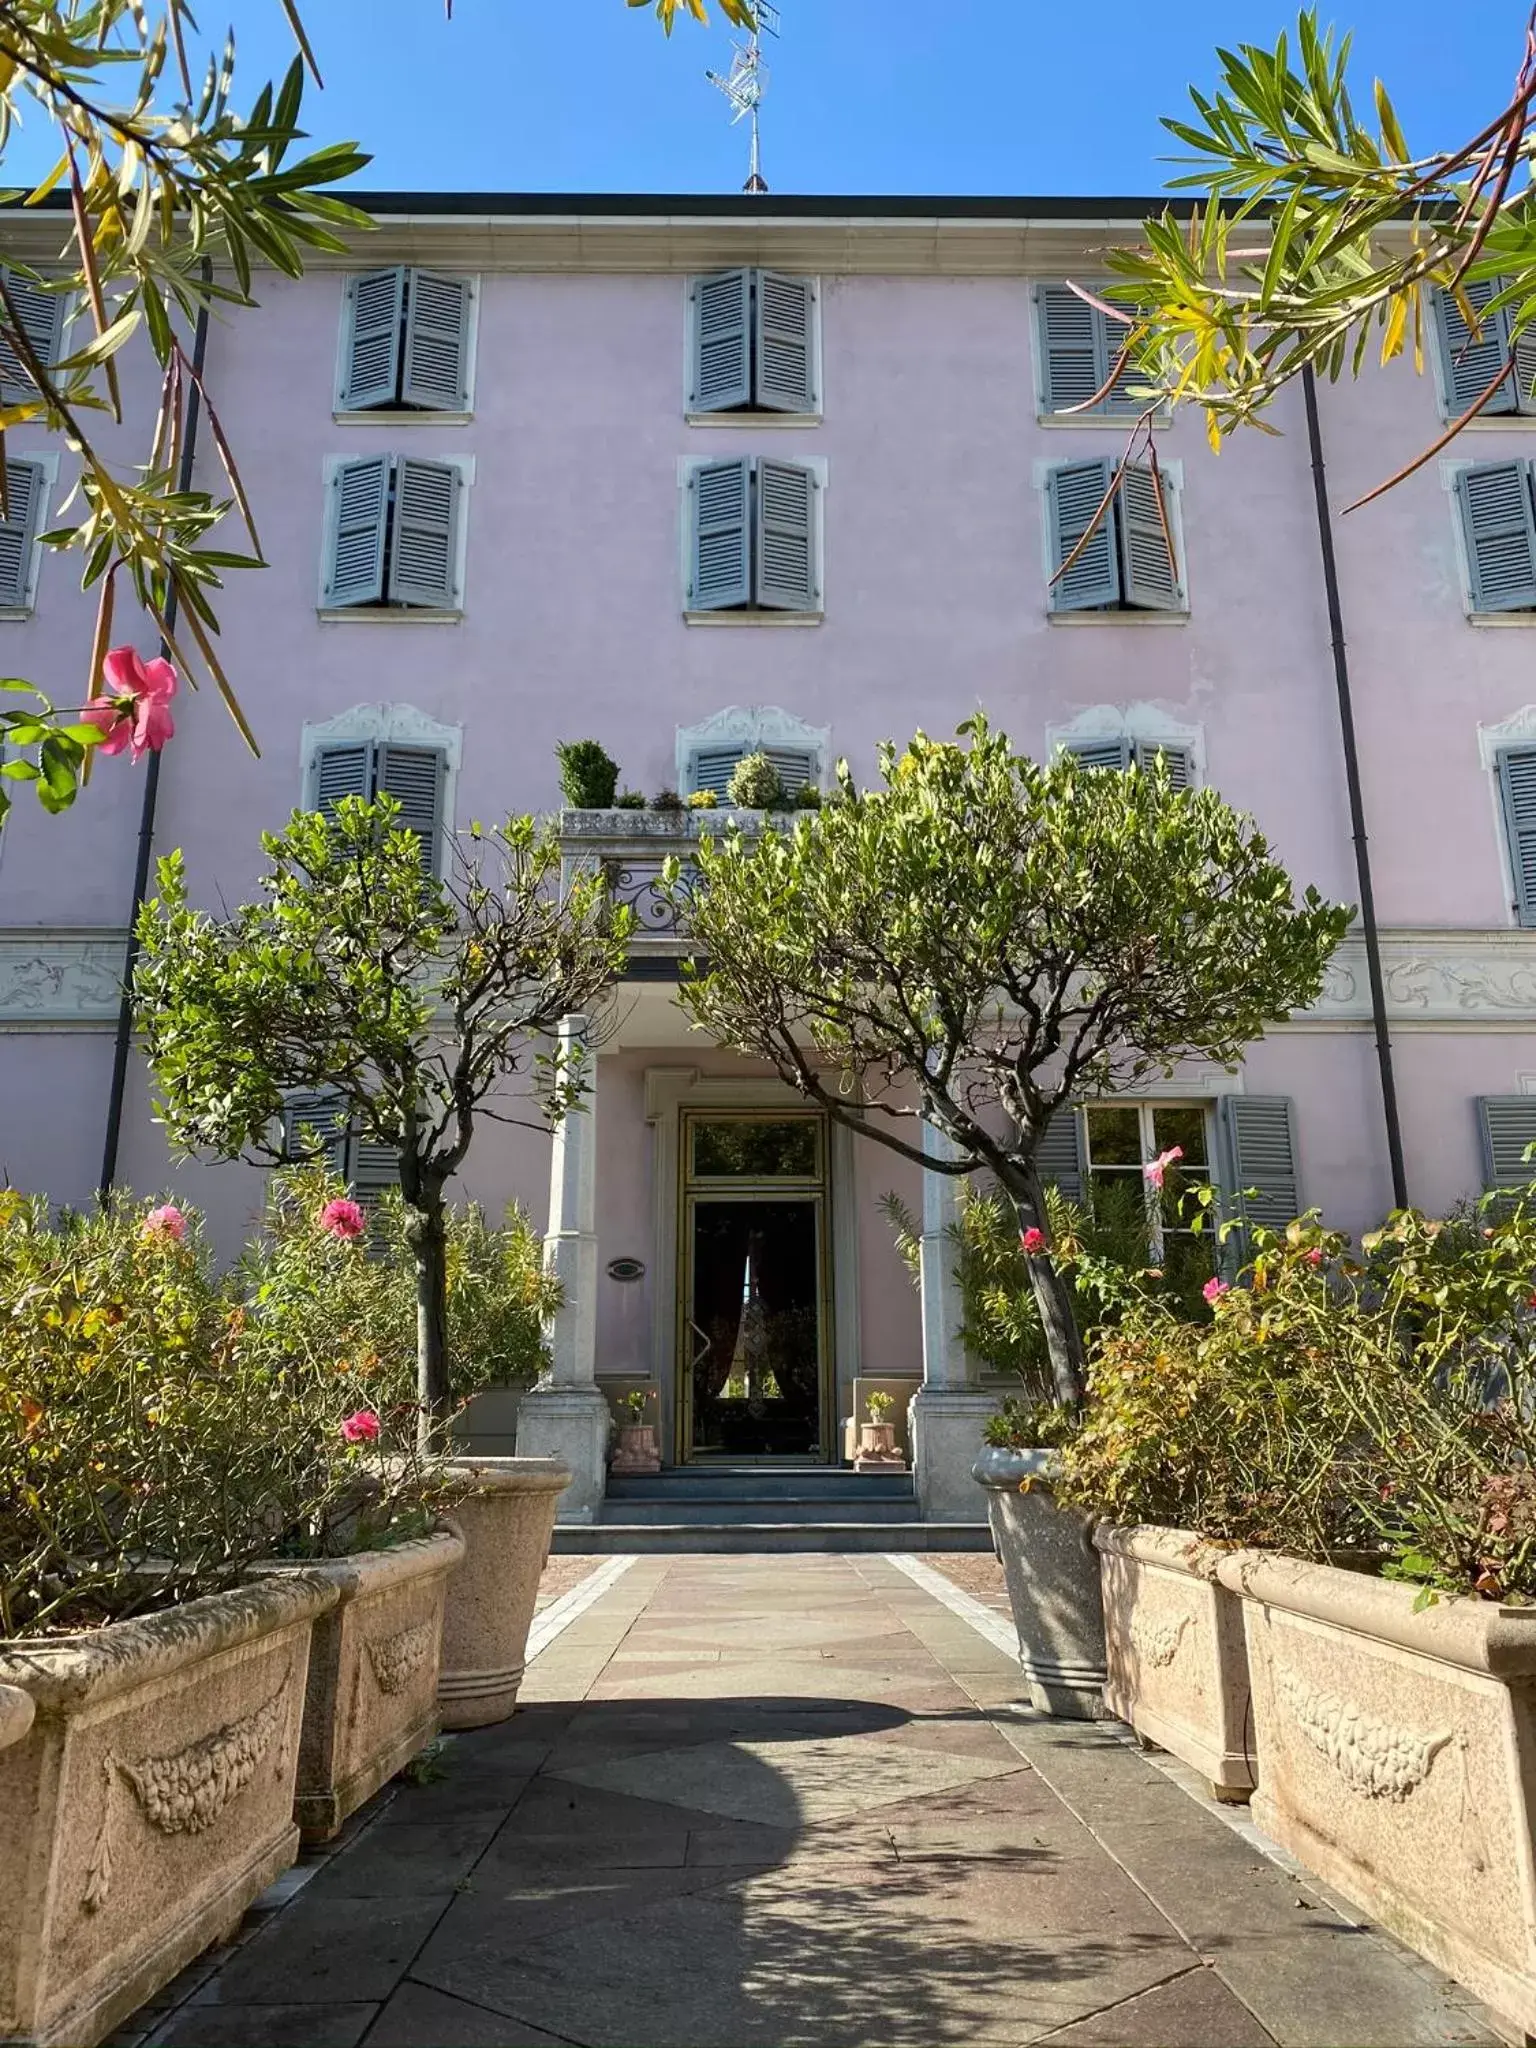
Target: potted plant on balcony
{"x": 878, "y": 1450}
{"x": 589, "y": 775}
{"x": 637, "y": 1447}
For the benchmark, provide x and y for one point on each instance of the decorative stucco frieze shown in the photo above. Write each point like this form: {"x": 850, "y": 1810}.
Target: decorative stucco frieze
{"x": 1435, "y": 977}
{"x": 1157, "y": 1643}
{"x": 396, "y": 1659}
{"x": 1377, "y": 1759}
{"x": 52, "y": 977}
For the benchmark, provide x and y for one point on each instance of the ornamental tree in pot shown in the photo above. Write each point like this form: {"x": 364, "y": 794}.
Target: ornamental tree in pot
{"x": 637, "y": 1449}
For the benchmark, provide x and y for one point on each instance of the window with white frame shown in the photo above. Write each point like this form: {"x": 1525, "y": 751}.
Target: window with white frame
{"x": 1497, "y": 511}
{"x": 1079, "y": 348}
{"x": 415, "y": 776}
{"x": 1119, "y": 556}
{"x": 707, "y": 753}
{"x": 407, "y": 341}
{"x": 1473, "y": 352}
{"x": 26, "y": 494}
{"x": 752, "y": 535}
{"x": 1120, "y": 1141}
{"x": 1136, "y": 753}
{"x": 316, "y": 1128}
{"x": 394, "y": 534}
{"x": 1515, "y": 768}
{"x": 39, "y": 312}
{"x": 753, "y": 343}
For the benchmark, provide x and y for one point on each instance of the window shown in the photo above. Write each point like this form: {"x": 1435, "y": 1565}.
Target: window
{"x": 394, "y": 534}
{"x": 713, "y": 767}
{"x": 406, "y": 342}
{"x": 320, "y": 1120}
{"x": 1126, "y": 753}
{"x": 752, "y": 343}
{"x": 413, "y": 776}
{"x": 1507, "y": 1127}
{"x": 753, "y": 536}
{"x": 1078, "y": 349}
{"x": 26, "y": 485}
{"x": 41, "y": 315}
{"x": 1498, "y": 527}
{"x": 707, "y": 753}
{"x": 1121, "y": 1139}
{"x": 1469, "y": 363}
{"x": 1516, "y": 770}
{"x": 1130, "y": 560}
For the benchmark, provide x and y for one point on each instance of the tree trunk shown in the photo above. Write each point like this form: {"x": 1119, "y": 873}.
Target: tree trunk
{"x": 1053, "y": 1297}
{"x": 427, "y": 1234}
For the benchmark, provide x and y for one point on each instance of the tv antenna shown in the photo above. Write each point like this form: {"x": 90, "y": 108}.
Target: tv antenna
{"x": 746, "y": 82}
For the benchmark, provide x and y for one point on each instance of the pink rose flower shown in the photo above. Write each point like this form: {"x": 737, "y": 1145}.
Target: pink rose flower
{"x": 343, "y": 1218}
{"x": 1160, "y": 1165}
{"x": 361, "y": 1428}
{"x": 1315, "y": 1255}
{"x": 166, "y": 1221}
{"x": 1032, "y": 1241}
{"x": 135, "y": 709}
{"x": 1214, "y": 1289}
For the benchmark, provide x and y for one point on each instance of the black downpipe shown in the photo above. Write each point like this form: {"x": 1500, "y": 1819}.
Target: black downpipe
{"x": 1356, "y": 802}
{"x": 123, "y": 1043}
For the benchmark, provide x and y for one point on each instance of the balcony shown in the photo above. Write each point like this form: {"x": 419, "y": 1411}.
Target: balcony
{"x": 632, "y": 847}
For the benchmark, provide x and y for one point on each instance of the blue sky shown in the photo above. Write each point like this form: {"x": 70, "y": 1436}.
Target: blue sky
{"x": 941, "y": 96}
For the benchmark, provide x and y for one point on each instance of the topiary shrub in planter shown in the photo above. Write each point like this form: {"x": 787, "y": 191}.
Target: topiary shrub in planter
{"x": 756, "y": 785}
{"x": 589, "y": 775}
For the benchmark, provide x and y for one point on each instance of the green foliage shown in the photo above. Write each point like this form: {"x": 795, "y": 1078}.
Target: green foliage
{"x": 1031, "y": 1425}
{"x": 807, "y": 797}
{"x": 756, "y": 785}
{"x": 879, "y": 1405}
{"x": 666, "y": 800}
{"x": 637, "y": 1403}
{"x": 589, "y": 775}
{"x": 629, "y": 800}
{"x": 44, "y": 749}
{"x": 702, "y": 800}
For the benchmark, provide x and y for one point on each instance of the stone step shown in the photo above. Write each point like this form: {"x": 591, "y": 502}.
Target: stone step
{"x": 609, "y": 1539}
{"x": 760, "y": 1482}
{"x": 732, "y": 1509}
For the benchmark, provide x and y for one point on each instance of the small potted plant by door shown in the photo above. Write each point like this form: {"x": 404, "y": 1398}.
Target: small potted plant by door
{"x": 637, "y": 1449}
{"x": 878, "y": 1451}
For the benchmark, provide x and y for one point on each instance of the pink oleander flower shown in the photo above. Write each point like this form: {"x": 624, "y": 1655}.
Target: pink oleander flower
{"x": 166, "y": 1221}
{"x": 343, "y": 1218}
{"x": 361, "y": 1427}
{"x": 1160, "y": 1165}
{"x": 1316, "y": 1255}
{"x": 1214, "y": 1289}
{"x": 135, "y": 708}
{"x": 1031, "y": 1241}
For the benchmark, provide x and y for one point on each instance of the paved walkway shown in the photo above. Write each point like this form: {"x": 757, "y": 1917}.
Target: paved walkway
{"x": 780, "y": 1800}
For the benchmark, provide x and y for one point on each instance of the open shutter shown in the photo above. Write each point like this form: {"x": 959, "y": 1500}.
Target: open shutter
{"x": 721, "y": 376}
{"x": 1059, "y": 1155}
{"x": 713, "y": 768}
{"x": 1517, "y": 788}
{"x": 796, "y": 767}
{"x": 315, "y": 1126}
{"x": 1469, "y": 363}
{"x": 354, "y": 574}
{"x": 719, "y": 549}
{"x": 423, "y": 552}
{"x": 785, "y": 308}
{"x": 1074, "y": 493}
{"x": 786, "y": 537}
{"x": 1507, "y": 1126}
{"x": 1070, "y": 349}
{"x": 26, "y": 486}
{"x": 370, "y": 347}
{"x": 1146, "y": 526}
{"x": 345, "y": 770}
{"x": 41, "y": 314}
{"x": 413, "y": 776}
{"x": 1500, "y": 529}
{"x": 436, "y": 372}
{"x": 1180, "y": 767}
{"x": 1102, "y": 753}
{"x": 372, "y": 1170}
{"x": 1259, "y": 1138}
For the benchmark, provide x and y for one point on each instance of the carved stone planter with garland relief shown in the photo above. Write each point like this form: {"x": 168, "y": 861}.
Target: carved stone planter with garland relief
{"x": 1397, "y": 1759}
{"x": 373, "y": 1671}
{"x": 148, "y": 1803}
{"x": 1173, "y": 1638}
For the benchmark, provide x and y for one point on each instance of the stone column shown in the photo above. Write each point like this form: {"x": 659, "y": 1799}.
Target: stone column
{"x": 565, "y": 1416}
{"x": 948, "y": 1412}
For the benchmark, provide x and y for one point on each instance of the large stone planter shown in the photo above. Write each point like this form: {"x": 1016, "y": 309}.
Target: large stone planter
{"x": 1397, "y": 1759}
{"x": 1173, "y": 1638}
{"x": 1052, "y": 1572}
{"x": 148, "y": 1803}
{"x": 371, "y": 1703}
{"x": 505, "y": 1510}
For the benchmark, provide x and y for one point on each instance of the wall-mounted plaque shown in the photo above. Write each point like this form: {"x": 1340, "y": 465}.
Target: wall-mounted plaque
{"x": 625, "y": 1269}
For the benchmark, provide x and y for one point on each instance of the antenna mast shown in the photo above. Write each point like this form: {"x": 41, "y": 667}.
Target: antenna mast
{"x": 746, "y": 82}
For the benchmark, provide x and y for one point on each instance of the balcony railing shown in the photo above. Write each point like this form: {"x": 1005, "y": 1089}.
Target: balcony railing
{"x": 632, "y": 847}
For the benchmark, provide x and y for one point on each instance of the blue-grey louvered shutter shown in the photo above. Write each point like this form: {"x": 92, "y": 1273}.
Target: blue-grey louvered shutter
{"x": 1517, "y": 788}
{"x": 315, "y": 1128}
{"x": 713, "y": 768}
{"x": 1507, "y": 1127}
{"x": 423, "y": 553}
{"x": 1075, "y": 491}
{"x": 343, "y": 770}
{"x": 26, "y": 486}
{"x": 1180, "y": 767}
{"x": 1102, "y": 753}
{"x": 1500, "y": 529}
{"x": 786, "y": 537}
{"x": 354, "y": 572}
{"x": 413, "y": 776}
{"x": 796, "y": 767}
{"x": 436, "y": 372}
{"x": 41, "y": 317}
{"x": 719, "y": 535}
{"x": 372, "y": 1170}
{"x": 1146, "y": 528}
{"x": 1259, "y": 1141}
{"x": 1071, "y": 353}
{"x": 1059, "y": 1155}
{"x": 721, "y": 373}
{"x": 372, "y": 315}
{"x": 784, "y": 310}
{"x": 1469, "y": 364}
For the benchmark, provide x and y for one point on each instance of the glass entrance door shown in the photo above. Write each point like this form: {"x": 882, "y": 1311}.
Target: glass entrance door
{"x": 754, "y": 1356}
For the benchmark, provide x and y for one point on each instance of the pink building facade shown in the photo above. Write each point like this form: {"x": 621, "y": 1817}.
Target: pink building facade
{"x": 696, "y": 476}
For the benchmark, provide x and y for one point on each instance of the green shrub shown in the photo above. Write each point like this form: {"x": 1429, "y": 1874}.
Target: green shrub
{"x": 702, "y": 800}
{"x": 666, "y": 800}
{"x": 756, "y": 785}
{"x": 630, "y": 800}
{"x": 807, "y": 797}
{"x": 588, "y": 775}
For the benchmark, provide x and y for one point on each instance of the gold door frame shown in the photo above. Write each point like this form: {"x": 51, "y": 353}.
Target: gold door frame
{"x": 814, "y": 1189}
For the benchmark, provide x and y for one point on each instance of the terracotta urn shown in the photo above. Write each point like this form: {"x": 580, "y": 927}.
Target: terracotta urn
{"x": 877, "y": 1450}
{"x": 504, "y": 1508}
{"x": 1052, "y": 1572}
{"x": 638, "y": 1450}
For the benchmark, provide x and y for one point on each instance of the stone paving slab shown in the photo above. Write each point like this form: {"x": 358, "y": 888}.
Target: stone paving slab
{"x": 788, "y": 1802}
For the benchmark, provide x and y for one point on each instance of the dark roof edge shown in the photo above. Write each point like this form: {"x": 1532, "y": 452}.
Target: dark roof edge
{"x": 730, "y": 205}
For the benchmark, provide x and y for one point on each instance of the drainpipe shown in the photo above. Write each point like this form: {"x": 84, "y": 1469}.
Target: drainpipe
{"x": 124, "y": 1039}
{"x": 1356, "y": 802}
